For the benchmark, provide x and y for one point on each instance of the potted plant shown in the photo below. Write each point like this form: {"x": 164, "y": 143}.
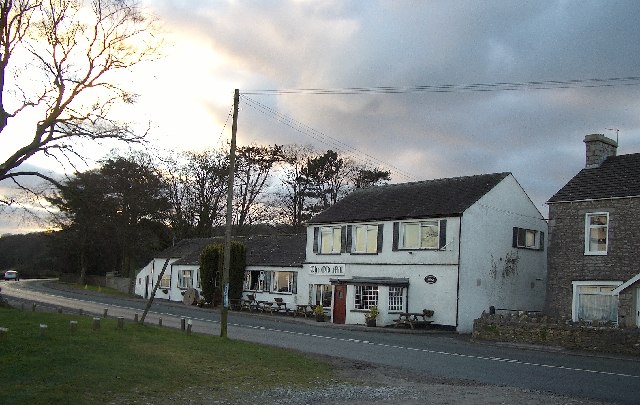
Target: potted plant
{"x": 371, "y": 316}
{"x": 318, "y": 311}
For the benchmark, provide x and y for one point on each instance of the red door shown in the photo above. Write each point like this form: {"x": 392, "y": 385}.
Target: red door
{"x": 340, "y": 303}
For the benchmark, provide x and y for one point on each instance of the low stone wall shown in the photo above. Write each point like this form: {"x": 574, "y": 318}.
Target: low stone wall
{"x": 117, "y": 283}
{"x": 543, "y": 330}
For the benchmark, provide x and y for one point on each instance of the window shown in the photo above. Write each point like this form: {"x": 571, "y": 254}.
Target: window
{"x": 320, "y": 294}
{"x": 419, "y": 235}
{"x": 256, "y": 280}
{"x": 596, "y": 233}
{"x": 366, "y": 296}
{"x": 283, "y": 281}
{"x": 330, "y": 239}
{"x": 396, "y": 299}
{"x": 594, "y": 301}
{"x": 185, "y": 279}
{"x": 365, "y": 239}
{"x": 165, "y": 282}
{"x": 528, "y": 239}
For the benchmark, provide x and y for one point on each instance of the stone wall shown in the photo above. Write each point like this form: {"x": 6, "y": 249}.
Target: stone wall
{"x": 117, "y": 283}
{"x": 540, "y": 329}
{"x": 567, "y": 261}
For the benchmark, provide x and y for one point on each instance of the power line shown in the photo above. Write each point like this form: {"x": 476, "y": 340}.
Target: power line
{"x": 461, "y": 88}
{"x": 321, "y": 137}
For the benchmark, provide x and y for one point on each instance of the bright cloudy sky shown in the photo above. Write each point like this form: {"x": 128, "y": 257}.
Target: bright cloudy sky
{"x": 214, "y": 47}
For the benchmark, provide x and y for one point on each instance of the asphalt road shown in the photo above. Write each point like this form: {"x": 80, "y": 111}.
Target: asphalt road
{"x": 437, "y": 354}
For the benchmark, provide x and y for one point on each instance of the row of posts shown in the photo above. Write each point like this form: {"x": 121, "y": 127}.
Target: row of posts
{"x": 73, "y": 325}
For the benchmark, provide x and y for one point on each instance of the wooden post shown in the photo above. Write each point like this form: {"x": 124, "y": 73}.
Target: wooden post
{"x": 3, "y": 331}
{"x": 182, "y": 323}
{"x": 120, "y": 323}
{"x": 96, "y": 323}
{"x": 153, "y": 293}
{"x": 135, "y": 318}
{"x": 224, "y": 313}
{"x": 43, "y": 330}
{"x": 33, "y": 307}
{"x": 59, "y": 310}
{"x": 80, "y": 311}
{"x": 105, "y": 313}
{"x": 73, "y": 326}
{"x": 160, "y": 321}
{"x": 189, "y": 327}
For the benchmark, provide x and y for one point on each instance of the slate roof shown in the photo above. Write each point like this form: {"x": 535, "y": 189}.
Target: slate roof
{"x": 617, "y": 176}
{"x": 424, "y": 199}
{"x": 267, "y": 250}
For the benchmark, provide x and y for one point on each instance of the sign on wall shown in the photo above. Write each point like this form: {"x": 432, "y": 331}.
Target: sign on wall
{"x": 327, "y": 269}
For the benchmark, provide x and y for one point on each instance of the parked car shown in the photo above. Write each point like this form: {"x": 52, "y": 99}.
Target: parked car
{"x": 11, "y": 275}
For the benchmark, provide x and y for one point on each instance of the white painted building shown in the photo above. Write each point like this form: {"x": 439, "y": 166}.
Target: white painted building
{"x": 455, "y": 246}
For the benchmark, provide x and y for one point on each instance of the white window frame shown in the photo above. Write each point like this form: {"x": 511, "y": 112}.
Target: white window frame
{"x": 366, "y": 296}
{"x": 402, "y": 242}
{"x": 368, "y": 232}
{"x": 332, "y": 235}
{"x": 321, "y": 294}
{"x": 165, "y": 281}
{"x": 289, "y": 282}
{"x": 528, "y": 233}
{"x": 397, "y": 299}
{"x": 185, "y": 282}
{"x": 577, "y": 285}
{"x": 261, "y": 281}
{"x": 588, "y": 227}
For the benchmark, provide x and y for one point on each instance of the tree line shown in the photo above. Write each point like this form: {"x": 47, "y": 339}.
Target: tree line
{"x": 115, "y": 216}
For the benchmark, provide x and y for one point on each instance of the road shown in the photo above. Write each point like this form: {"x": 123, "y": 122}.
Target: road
{"x": 437, "y": 354}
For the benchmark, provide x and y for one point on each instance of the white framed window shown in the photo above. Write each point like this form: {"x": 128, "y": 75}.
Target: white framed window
{"x": 365, "y": 239}
{"x": 396, "y": 299}
{"x": 185, "y": 279}
{"x": 165, "y": 282}
{"x": 320, "y": 294}
{"x": 419, "y": 235}
{"x": 594, "y": 301}
{"x": 256, "y": 280}
{"x": 366, "y": 296}
{"x": 528, "y": 239}
{"x": 283, "y": 281}
{"x": 596, "y": 233}
{"x": 330, "y": 239}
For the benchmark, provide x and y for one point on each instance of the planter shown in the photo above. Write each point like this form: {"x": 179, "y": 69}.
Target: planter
{"x": 319, "y": 317}
{"x": 371, "y": 322}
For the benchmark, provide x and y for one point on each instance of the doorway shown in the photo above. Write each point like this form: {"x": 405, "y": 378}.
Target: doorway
{"x": 340, "y": 304}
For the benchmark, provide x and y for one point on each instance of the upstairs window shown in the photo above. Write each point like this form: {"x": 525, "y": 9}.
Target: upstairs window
{"x": 596, "y": 233}
{"x": 328, "y": 239}
{"x": 364, "y": 238}
{"x": 528, "y": 239}
{"x": 413, "y": 235}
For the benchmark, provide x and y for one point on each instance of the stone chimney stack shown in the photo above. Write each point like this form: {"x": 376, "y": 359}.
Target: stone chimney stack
{"x": 599, "y": 148}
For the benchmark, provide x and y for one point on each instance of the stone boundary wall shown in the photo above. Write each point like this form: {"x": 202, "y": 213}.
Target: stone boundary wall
{"x": 539, "y": 329}
{"x": 118, "y": 283}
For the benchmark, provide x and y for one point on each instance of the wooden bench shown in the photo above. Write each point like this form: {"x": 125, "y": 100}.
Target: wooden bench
{"x": 249, "y": 303}
{"x": 281, "y": 306}
{"x": 414, "y": 319}
{"x": 302, "y": 310}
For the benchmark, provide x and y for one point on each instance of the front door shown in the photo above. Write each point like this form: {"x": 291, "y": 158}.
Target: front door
{"x": 340, "y": 304}
{"x": 146, "y": 287}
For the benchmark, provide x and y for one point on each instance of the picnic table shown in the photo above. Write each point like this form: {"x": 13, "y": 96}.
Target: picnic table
{"x": 281, "y": 306}
{"x": 265, "y": 306}
{"x": 414, "y": 319}
{"x": 250, "y": 303}
{"x": 301, "y": 309}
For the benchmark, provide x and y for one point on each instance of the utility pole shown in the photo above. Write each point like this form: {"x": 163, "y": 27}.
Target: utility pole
{"x": 227, "y": 235}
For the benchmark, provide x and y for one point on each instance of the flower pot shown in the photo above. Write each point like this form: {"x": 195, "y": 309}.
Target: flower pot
{"x": 371, "y": 322}
{"x": 319, "y": 317}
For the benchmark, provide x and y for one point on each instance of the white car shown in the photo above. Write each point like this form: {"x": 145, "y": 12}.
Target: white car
{"x": 11, "y": 275}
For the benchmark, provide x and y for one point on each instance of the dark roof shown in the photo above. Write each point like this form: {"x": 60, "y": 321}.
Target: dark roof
{"x": 617, "y": 176}
{"x": 268, "y": 250}
{"x": 276, "y": 250}
{"x": 424, "y": 199}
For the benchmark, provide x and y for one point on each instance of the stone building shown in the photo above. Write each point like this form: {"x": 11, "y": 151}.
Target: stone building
{"x": 594, "y": 239}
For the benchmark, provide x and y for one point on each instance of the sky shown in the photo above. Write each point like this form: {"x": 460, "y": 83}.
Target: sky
{"x": 214, "y": 47}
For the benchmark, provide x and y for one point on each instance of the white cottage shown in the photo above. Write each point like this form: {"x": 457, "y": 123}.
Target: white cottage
{"x": 457, "y": 246}
{"x": 273, "y": 263}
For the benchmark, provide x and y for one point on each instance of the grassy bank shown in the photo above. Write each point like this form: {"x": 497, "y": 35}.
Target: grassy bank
{"x": 90, "y": 366}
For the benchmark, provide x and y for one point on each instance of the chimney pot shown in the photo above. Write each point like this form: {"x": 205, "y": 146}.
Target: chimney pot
{"x": 598, "y": 149}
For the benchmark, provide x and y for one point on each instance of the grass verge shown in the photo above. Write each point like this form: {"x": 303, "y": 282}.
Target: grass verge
{"x": 88, "y": 366}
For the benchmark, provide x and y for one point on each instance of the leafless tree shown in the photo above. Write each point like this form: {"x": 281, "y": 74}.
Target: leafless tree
{"x": 59, "y": 59}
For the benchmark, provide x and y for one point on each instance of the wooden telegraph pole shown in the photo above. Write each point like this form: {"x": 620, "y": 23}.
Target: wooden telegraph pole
{"x": 227, "y": 235}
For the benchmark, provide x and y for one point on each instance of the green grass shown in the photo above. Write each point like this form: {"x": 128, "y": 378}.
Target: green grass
{"x": 104, "y": 290}
{"x": 98, "y": 366}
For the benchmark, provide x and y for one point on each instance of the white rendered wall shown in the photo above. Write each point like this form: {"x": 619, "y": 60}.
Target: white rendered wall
{"x": 486, "y": 245}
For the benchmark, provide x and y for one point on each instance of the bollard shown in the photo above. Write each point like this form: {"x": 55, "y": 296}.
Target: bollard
{"x": 182, "y": 320}
{"x": 135, "y": 318}
{"x": 73, "y": 326}
{"x": 120, "y": 323}
{"x": 160, "y": 321}
{"x": 96, "y": 323}
{"x": 189, "y": 327}
{"x": 33, "y": 307}
{"x": 105, "y": 313}
{"x": 80, "y": 311}
{"x": 43, "y": 329}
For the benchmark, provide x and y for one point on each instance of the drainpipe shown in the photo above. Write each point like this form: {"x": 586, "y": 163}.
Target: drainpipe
{"x": 458, "y": 281}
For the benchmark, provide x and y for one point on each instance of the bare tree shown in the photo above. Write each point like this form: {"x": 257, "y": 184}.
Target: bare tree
{"x": 58, "y": 59}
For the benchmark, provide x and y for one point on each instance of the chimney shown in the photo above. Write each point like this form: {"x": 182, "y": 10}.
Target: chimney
{"x": 599, "y": 148}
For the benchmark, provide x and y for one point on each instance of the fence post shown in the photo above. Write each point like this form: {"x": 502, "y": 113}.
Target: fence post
{"x": 182, "y": 321}
{"x": 160, "y": 321}
{"x": 73, "y": 326}
{"x": 120, "y": 323}
{"x": 189, "y": 327}
{"x": 96, "y": 323}
{"x": 43, "y": 329}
